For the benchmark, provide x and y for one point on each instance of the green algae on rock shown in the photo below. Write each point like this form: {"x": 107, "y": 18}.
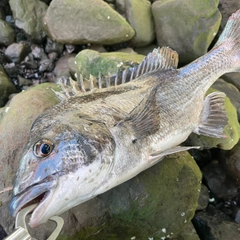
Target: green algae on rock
{"x": 152, "y": 204}
{"x": 188, "y": 28}
{"x": 139, "y": 15}
{"x": 92, "y": 62}
{"x": 28, "y": 16}
{"x": 7, "y": 34}
{"x": 79, "y": 22}
{"x": 6, "y": 87}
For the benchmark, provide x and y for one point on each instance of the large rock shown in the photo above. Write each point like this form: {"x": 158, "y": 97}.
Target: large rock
{"x": 186, "y": 26}
{"x": 233, "y": 78}
{"x": 92, "y": 62}
{"x": 28, "y": 16}
{"x": 188, "y": 233}
{"x": 7, "y": 34}
{"x": 6, "y": 87}
{"x": 230, "y": 160}
{"x": 14, "y": 127}
{"x": 215, "y": 225}
{"x": 139, "y": 15}
{"x": 84, "y": 21}
{"x": 218, "y": 182}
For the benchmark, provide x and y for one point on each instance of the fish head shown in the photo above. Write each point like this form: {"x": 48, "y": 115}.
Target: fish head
{"x": 63, "y": 165}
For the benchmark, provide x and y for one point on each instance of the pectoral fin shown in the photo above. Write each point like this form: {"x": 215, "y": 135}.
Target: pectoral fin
{"x": 214, "y": 117}
{"x": 144, "y": 119}
{"x": 160, "y": 155}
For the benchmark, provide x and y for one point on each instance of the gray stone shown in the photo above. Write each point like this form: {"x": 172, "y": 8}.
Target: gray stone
{"x": 188, "y": 233}
{"x": 121, "y": 6}
{"x": 62, "y": 68}
{"x": 186, "y": 26}
{"x": 233, "y": 78}
{"x": 46, "y": 65}
{"x": 230, "y": 160}
{"x": 73, "y": 22}
{"x": 219, "y": 183}
{"x": 38, "y": 52}
{"x": 237, "y": 217}
{"x": 7, "y": 34}
{"x": 6, "y": 87}
{"x": 28, "y": 16}
{"x": 16, "y": 52}
{"x": 215, "y": 225}
{"x": 97, "y": 47}
{"x": 203, "y": 198}
{"x": 52, "y": 46}
{"x": 12, "y": 69}
{"x": 72, "y": 65}
{"x": 145, "y": 50}
{"x": 24, "y": 82}
{"x": 139, "y": 15}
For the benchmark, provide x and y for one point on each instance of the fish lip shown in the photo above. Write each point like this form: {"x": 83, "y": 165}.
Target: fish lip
{"x": 29, "y": 194}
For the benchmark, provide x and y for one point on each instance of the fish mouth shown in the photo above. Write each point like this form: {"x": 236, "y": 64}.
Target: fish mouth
{"x": 36, "y": 193}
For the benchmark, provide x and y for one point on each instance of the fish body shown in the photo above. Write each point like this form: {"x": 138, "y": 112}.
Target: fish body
{"x": 91, "y": 143}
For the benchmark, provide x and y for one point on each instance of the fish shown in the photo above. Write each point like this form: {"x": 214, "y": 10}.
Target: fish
{"x": 91, "y": 142}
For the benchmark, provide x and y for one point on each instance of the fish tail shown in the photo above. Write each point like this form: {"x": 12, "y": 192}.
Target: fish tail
{"x": 230, "y": 39}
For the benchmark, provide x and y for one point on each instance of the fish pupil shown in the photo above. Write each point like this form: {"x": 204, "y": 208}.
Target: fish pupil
{"x": 45, "y": 148}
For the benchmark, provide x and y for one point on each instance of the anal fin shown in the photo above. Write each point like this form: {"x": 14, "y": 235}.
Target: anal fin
{"x": 213, "y": 117}
{"x": 159, "y": 155}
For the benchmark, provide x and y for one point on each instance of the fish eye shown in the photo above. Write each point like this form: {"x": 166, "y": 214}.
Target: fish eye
{"x": 42, "y": 148}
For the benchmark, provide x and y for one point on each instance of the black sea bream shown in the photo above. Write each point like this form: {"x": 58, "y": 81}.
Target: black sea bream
{"x": 90, "y": 143}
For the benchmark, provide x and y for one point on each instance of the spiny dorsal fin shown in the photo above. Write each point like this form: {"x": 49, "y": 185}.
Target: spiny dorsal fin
{"x": 213, "y": 117}
{"x": 159, "y": 59}
{"x": 144, "y": 118}
{"x": 72, "y": 88}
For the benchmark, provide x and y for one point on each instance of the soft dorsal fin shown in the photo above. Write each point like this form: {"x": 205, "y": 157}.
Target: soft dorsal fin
{"x": 213, "y": 118}
{"x": 159, "y": 59}
{"x": 144, "y": 119}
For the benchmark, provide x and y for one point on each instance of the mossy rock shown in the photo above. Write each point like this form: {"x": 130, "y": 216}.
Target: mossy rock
{"x": 6, "y": 87}
{"x": 92, "y": 62}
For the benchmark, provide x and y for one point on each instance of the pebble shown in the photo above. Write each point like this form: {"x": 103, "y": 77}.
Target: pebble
{"x": 16, "y": 52}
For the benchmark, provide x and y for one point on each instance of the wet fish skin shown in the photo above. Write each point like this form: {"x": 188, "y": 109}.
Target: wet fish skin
{"x": 99, "y": 140}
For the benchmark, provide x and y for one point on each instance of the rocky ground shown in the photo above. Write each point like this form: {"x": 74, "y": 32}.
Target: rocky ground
{"x": 187, "y": 196}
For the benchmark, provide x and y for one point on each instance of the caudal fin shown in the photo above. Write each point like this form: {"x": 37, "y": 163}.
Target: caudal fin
{"x": 230, "y": 37}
